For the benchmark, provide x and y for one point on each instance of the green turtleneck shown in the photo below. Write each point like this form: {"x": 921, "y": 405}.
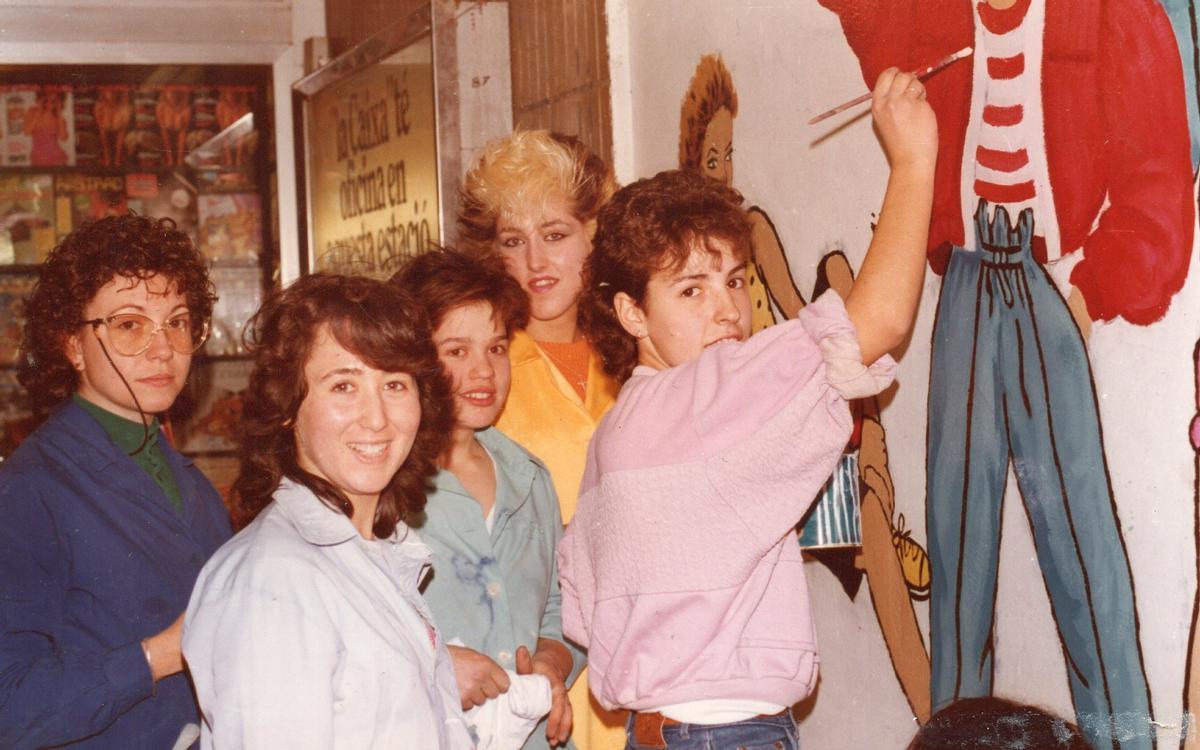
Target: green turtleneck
{"x": 128, "y": 434}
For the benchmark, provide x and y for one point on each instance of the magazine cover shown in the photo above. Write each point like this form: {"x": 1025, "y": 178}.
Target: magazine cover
{"x": 39, "y": 126}
{"x": 15, "y": 411}
{"x": 26, "y": 218}
{"x": 104, "y": 125}
{"x": 217, "y": 389}
{"x": 239, "y": 293}
{"x": 231, "y": 226}
{"x": 15, "y": 288}
{"x": 80, "y": 198}
{"x": 165, "y": 195}
{"x": 224, "y": 137}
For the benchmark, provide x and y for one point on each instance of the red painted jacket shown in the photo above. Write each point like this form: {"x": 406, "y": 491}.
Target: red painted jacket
{"x": 1115, "y": 121}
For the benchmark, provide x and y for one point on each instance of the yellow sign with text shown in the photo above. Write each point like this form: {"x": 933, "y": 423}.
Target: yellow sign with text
{"x": 373, "y": 154}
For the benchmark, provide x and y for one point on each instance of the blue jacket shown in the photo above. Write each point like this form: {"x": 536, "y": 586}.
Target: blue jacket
{"x": 93, "y": 559}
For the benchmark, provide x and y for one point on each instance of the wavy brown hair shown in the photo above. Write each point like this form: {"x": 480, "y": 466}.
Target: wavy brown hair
{"x": 710, "y": 90}
{"x": 385, "y": 328}
{"x": 650, "y": 226}
{"x": 131, "y": 247}
{"x": 444, "y": 279}
{"x": 522, "y": 172}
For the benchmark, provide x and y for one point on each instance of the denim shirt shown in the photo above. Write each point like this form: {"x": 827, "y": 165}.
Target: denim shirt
{"x": 497, "y": 591}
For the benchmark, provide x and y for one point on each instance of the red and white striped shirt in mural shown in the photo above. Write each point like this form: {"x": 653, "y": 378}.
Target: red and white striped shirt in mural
{"x": 1008, "y": 138}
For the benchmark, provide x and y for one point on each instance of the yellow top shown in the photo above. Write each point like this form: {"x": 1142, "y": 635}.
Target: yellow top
{"x": 545, "y": 414}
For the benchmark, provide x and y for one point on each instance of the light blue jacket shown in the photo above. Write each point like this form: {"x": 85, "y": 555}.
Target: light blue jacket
{"x": 301, "y": 634}
{"x": 495, "y": 592}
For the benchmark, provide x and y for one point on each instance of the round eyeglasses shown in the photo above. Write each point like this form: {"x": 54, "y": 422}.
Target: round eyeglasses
{"x": 131, "y": 333}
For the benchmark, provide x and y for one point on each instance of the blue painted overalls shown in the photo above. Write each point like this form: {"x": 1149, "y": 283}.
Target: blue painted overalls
{"x": 1010, "y": 378}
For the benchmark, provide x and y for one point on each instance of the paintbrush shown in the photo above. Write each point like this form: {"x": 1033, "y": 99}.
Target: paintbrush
{"x": 922, "y": 73}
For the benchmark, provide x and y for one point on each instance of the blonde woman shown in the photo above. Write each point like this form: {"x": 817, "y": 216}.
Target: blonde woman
{"x": 531, "y": 199}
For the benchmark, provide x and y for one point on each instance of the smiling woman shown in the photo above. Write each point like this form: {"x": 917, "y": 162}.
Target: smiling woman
{"x": 345, "y": 414}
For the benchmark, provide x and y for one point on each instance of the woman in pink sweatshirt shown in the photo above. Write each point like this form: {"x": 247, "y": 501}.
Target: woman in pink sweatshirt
{"x": 680, "y": 571}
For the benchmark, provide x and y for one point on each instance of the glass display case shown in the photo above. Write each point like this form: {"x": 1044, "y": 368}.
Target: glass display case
{"x": 190, "y": 142}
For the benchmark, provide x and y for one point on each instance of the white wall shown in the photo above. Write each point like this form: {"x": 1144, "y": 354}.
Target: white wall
{"x": 789, "y": 60}
{"x": 262, "y": 32}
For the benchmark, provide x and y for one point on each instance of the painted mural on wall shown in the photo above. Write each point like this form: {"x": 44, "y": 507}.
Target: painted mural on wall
{"x": 850, "y": 529}
{"x": 706, "y": 146}
{"x": 1191, "y": 687}
{"x": 1062, "y": 196}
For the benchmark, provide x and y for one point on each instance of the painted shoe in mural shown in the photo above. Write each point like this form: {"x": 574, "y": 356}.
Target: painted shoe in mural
{"x": 914, "y": 561}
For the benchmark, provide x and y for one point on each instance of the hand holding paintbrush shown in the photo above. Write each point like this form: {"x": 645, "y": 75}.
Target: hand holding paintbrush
{"x": 921, "y": 73}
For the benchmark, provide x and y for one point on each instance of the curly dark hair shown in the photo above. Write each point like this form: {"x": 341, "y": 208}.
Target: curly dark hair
{"x": 992, "y": 723}
{"x": 649, "y": 226}
{"x": 444, "y": 279}
{"x": 130, "y": 247}
{"x": 524, "y": 170}
{"x": 381, "y": 325}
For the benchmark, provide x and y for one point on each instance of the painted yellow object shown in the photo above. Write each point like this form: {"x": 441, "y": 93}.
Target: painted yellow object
{"x": 761, "y": 315}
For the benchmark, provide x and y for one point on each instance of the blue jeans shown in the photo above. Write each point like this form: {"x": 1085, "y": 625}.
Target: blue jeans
{"x": 759, "y": 733}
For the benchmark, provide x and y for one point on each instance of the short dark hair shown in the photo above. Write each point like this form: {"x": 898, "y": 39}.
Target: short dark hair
{"x": 651, "y": 226}
{"x": 992, "y": 723}
{"x": 443, "y": 279}
{"x": 129, "y": 246}
{"x": 384, "y": 327}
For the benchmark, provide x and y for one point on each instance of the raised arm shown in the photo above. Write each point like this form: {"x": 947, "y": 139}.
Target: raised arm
{"x": 883, "y": 302}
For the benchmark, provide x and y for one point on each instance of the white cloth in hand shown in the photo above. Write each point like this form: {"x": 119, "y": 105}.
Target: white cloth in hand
{"x": 506, "y": 721}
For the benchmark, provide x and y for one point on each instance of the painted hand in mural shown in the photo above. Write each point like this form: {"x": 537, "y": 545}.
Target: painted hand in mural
{"x": 1078, "y": 307}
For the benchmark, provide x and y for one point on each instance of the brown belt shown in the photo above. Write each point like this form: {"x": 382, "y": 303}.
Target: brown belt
{"x": 648, "y": 727}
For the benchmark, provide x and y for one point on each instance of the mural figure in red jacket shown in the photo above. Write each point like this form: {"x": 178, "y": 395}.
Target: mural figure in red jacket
{"x": 1063, "y": 196}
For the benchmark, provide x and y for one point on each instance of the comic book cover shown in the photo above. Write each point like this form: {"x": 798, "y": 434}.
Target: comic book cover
{"x": 80, "y": 198}
{"x": 26, "y": 218}
{"x": 165, "y": 195}
{"x": 231, "y": 226}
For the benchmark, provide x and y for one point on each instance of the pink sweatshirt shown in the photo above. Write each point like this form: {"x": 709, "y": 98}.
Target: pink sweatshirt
{"x": 680, "y": 571}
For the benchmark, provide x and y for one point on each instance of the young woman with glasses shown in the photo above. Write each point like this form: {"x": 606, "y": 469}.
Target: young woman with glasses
{"x": 106, "y": 526}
